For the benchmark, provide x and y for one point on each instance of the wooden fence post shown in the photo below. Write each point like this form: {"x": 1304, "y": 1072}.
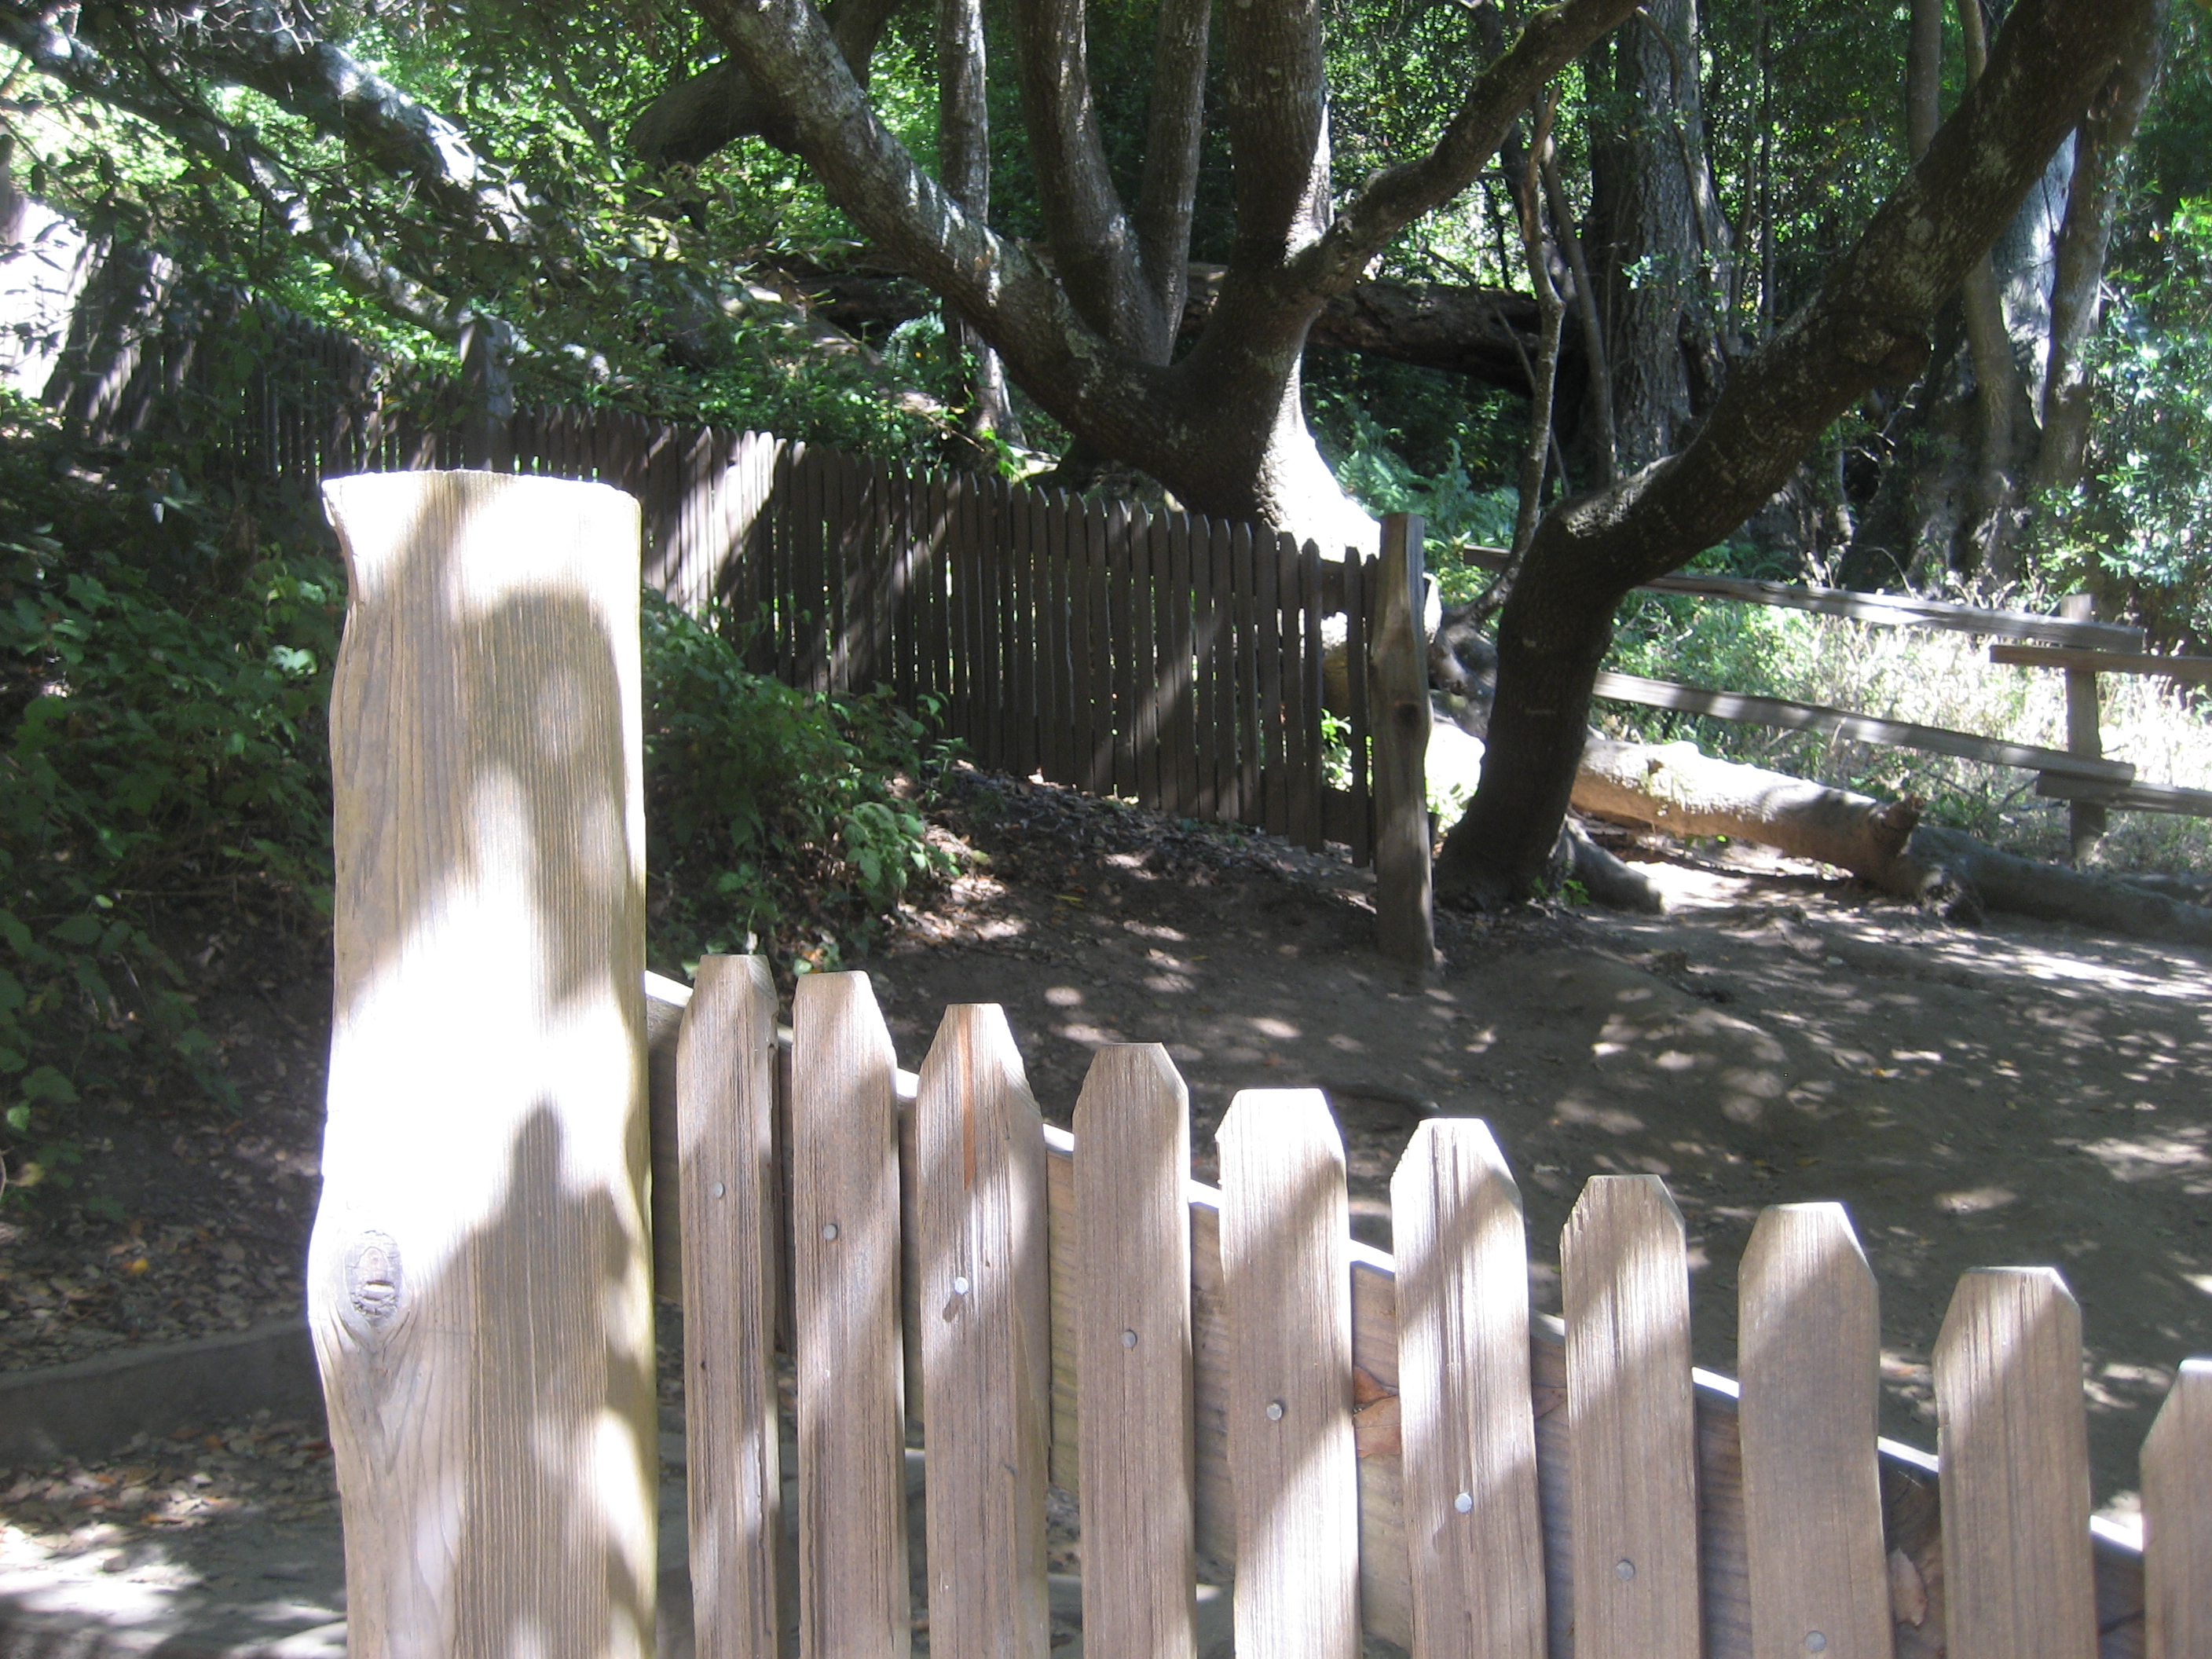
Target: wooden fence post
{"x": 488, "y": 395}
{"x": 479, "y": 1282}
{"x": 1398, "y": 670}
{"x": 2088, "y": 818}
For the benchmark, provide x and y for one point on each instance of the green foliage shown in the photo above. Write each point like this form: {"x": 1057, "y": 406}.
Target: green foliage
{"x": 2141, "y": 522}
{"x": 161, "y": 742}
{"x": 775, "y": 820}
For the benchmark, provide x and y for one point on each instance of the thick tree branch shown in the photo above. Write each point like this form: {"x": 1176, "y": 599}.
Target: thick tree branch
{"x": 1093, "y": 243}
{"x": 694, "y": 118}
{"x": 1867, "y": 326}
{"x": 260, "y": 45}
{"x": 80, "y": 65}
{"x": 1395, "y": 197}
{"x": 1275, "y": 98}
{"x": 1174, "y": 125}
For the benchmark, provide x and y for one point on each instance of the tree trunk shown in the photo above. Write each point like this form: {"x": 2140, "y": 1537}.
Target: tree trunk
{"x": 1867, "y": 327}
{"x": 1678, "y": 788}
{"x": 963, "y": 161}
{"x": 1644, "y": 219}
{"x": 2077, "y": 282}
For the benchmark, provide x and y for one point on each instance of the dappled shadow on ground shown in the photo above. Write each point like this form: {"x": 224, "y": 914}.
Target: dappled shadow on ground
{"x": 2006, "y": 1096}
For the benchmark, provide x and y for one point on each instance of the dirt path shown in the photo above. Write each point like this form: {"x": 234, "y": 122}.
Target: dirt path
{"x": 2016, "y": 1095}
{"x": 2006, "y": 1096}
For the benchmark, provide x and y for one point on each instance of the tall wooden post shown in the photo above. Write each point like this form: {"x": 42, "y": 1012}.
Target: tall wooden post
{"x": 487, "y": 429}
{"x": 479, "y": 1278}
{"x": 1398, "y": 671}
{"x": 2082, "y": 736}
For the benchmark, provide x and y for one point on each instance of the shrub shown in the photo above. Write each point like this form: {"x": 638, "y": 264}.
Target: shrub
{"x": 775, "y": 820}
{"x": 161, "y": 744}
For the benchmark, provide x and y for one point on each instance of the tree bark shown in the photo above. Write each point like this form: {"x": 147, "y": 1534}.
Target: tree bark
{"x": 1674, "y": 788}
{"x": 1866, "y": 327}
{"x": 1222, "y": 427}
{"x": 2077, "y": 287}
{"x": 963, "y": 161}
{"x": 1645, "y": 218}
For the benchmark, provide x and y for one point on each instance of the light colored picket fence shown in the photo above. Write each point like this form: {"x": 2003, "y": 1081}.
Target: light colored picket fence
{"x": 1396, "y": 1447}
{"x": 1392, "y": 1446}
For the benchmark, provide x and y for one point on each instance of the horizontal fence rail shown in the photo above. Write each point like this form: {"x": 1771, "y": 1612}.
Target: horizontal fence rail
{"x": 1400, "y": 1447}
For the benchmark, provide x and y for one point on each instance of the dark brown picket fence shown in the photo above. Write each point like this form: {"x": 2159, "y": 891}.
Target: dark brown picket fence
{"x": 1161, "y": 657}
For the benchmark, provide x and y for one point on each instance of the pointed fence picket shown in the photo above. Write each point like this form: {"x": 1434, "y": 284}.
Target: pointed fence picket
{"x": 1231, "y": 1385}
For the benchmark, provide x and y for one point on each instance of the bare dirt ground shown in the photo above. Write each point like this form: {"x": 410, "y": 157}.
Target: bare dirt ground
{"x": 2015, "y": 1094}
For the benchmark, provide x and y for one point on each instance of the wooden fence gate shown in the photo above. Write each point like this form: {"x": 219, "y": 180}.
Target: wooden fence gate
{"x": 1234, "y": 1389}
{"x": 1364, "y": 1446}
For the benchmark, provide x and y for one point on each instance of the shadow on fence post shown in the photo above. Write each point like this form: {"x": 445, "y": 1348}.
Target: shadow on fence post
{"x": 1398, "y": 678}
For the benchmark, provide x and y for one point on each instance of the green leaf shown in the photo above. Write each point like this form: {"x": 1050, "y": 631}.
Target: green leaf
{"x": 47, "y": 1084}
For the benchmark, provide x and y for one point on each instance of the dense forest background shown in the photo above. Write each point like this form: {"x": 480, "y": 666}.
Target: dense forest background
{"x": 1468, "y": 259}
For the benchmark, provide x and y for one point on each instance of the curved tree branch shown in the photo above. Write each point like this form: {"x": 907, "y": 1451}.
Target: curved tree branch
{"x": 1867, "y": 326}
{"x": 1395, "y": 197}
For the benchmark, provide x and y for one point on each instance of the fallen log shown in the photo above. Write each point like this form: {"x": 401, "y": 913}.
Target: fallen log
{"x": 1677, "y": 789}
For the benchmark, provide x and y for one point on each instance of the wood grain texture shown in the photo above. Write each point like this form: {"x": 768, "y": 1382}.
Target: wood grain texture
{"x": 2191, "y": 671}
{"x": 985, "y": 1314}
{"x": 1398, "y": 699}
{"x": 484, "y": 1317}
{"x": 2177, "y": 1497}
{"x": 1809, "y": 1333}
{"x": 850, "y": 1368}
{"x": 1472, "y": 1527}
{"x": 726, "y": 1129}
{"x": 1133, "y": 1353}
{"x": 2012, "y": 1445}
{"x": 1285, "y": 1278}
{"x": 1625, "y": 1278}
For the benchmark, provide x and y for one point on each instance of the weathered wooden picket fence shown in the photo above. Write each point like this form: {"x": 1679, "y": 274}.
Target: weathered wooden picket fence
{"x": 1393, "y": 1447}
{"x": 1368, "y": 1444}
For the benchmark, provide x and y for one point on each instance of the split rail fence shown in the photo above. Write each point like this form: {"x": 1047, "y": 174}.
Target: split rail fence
{"x": 1362, "y": 1443}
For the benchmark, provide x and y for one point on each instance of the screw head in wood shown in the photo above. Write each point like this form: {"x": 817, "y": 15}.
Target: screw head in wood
{"x": 829, "y": 1230}
{"x": 1128, "y": 1338}
{"x": 718, "y": 1189}
{"x": 1464, "y": 1503}
{"x": 1816, "y": 1642}
{"x": 1274, "y": 1410}
{"x": 960, "y": 1285}
{"x": 1624, "y": 1570}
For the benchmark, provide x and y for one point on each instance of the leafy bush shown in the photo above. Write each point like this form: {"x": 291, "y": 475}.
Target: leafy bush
{"x": 775, "y": 820}
{"x": 162, "y": 743}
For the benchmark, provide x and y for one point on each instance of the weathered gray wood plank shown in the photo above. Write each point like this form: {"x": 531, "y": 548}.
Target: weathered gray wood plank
{"x": 2013, "y": 1444}
{"x": 1133, "y": 1353}
{"x": 2176, "y": 1495}
{"x": 1624, "y": 1274}
{"x": 1472, "y": 1527}
{"x": 1284, "y": 1225}
{"x": 725, "y": 1130}
{"x": 1809, "y": 1334}
{"x": 985, "y": 1340}
{"x": 850, "y": 1368}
